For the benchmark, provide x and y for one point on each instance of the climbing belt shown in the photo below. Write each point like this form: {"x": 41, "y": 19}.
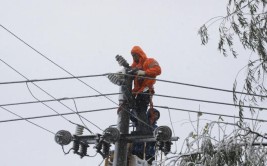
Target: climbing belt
{"x": 151, "y": 109}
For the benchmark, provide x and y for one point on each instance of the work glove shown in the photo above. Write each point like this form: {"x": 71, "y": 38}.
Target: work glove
{"x": 141, "y": 73}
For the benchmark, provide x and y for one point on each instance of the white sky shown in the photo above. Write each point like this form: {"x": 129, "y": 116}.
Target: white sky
{"x": 84, "y": 36}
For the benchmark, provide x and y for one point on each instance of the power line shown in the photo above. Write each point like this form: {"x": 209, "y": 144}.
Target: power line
{"x": 50, "y": 79}
{"x": 58, "y": 99}
{"x": 21, "y": 118}
{"x": 52, "y": 61}
{"x": 208, "y": 101}
{"x": 194, "y": 85}
{"x": 172, "y": 130}
{"x": 205, "y": 87}
{"x": 111, "y": 94}
{"x": 161, "y": 80}
{"x": 141, "y": 77}
{"x": 63, "y": 103}
{"x": 54, "y": 115}
{"x": 66, "y": 107}
{"x": 105, "y": 109}
{"x": 69, "y": 73}
{"x": 58, "y": 113}
{"x": 46, "y": 104}
{"x": 208, "y": 113}
{"x": 47, "y": 94}
{"x": 174, "y": 82}
{"x": 80, "y": 116}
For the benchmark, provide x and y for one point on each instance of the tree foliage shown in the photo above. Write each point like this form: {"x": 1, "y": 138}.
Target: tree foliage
{"x": 245, "y": 23}
{"x": 240, "y": 146}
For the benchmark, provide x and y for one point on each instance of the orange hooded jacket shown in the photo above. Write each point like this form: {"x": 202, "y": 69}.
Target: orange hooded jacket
{"x": 151, "y": 68}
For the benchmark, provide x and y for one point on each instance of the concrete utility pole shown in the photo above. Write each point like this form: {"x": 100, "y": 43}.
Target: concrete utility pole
{"x": 120, "y": 154}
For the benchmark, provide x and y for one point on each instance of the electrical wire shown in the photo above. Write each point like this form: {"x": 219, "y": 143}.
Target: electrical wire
{"x": 65, "y": 98}
{"x": 160, "y": 80}
{"x": 207, "y": 101}
{"x": 58, "y": 99}
{"x": 138, "y": 76}
{"x": 74, "y": 111}
{"x": 65, "y": 151}
{"x": 112, "y": 108}
{"x": 70, "y": 73}
{"x": 159, "y": 95}
{"x": 192, "y": 85}
{"x": 21, "y": 118}
{"x": 208, "y": 113}
{"x": 52, "y": 108}
{"x": 172, "y": 130}
{"x": 92, "y": 155}
{"x": 80, "y": 116}
{"x": 66, "y": 107}
{"x": 45, "y": 93}
{"x": 101, "y": 162}
{"x": 51, "y": 79}
{"x": 110, "y": 94}
{"x": 59, "y": 113}
{"x": 155, "y": 79}
{"x": 54, "y": 115}
{"x": 127, "y": 74}
{"x": 81, "y": 97}
{"x": 45, "y": 104}
{"x": 52, "y": 61}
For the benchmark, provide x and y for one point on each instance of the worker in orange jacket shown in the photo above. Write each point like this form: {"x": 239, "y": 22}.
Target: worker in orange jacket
{"x": 143, "y": 87}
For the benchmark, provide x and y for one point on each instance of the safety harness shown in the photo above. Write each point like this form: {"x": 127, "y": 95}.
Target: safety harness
{"x": 151, "y": 107}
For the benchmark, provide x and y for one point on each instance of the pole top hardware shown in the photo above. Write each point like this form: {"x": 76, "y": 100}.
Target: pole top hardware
{"x": 111, "y": 135}
{"x": 163, "y": 133}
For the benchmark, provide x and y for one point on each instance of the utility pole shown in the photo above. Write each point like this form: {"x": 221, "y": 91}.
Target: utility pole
{"x": 119, "y": 136}
{"x": 161, "y": 134}
{"x": 120, "y": 154}
{"x": 125, "y": 98}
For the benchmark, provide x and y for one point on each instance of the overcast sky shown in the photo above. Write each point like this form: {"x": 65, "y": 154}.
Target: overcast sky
{"x": 84, "y": 36}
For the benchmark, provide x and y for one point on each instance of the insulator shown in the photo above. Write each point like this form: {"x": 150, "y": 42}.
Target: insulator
{"x": 76, "y": 146}
{"x": 83, "y": 149}
{"x": 79, "y": 130}
{"x": 111, "y": 135}
{"x": 115, "y": 79}
{"x": 98, "y": 147}
{"x": 160, "y": 145}
{"x": 163, "y": 133}
{"x": 63, "y": 137}
{"x": 122, "y": 61}
{"x": 167, "y": 147}
{"x": 105, "y": 147}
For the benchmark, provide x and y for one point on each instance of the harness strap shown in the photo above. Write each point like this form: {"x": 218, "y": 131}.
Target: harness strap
{"x": 151, "y": 101}
{"x": 151, "y": 109}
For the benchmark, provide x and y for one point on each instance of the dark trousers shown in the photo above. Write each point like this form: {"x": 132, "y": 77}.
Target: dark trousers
{"x": 141, "y": 103}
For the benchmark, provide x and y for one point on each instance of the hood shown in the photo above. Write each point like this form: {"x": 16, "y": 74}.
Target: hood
{"x": 138, "y": 50}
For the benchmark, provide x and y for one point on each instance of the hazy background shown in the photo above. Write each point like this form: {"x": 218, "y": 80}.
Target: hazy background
{"x": 84, "y": 36}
